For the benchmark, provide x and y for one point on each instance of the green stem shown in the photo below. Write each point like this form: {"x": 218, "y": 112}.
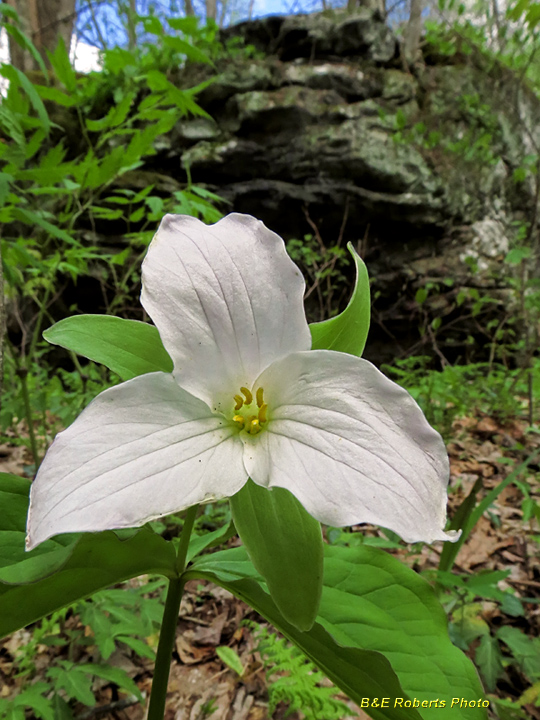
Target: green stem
{"x": 184, "y": 538}
{"x": 158, "y": 697}
{"x": 22, "y": 372}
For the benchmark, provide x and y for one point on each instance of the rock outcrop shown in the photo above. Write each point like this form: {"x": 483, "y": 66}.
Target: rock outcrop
{"x": 323, "y": 127}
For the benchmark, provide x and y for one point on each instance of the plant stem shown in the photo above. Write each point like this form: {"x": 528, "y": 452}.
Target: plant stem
{"x": 191, "y": 514}
{"x": 22, "y": 372}
{"x": 156, "y": 709}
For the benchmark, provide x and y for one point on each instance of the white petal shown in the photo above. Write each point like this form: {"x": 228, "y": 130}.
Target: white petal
{"x": 140, "y": 450}
{"x": 351, "y": 445}
{"x": 227, "y": 301}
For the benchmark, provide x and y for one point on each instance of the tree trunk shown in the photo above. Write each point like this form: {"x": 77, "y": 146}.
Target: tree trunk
{"x": 413, "y": 32}
{"x": 211, "y": 9}
{"x": 188, "y": 8}
{"x": 44, "y": 22}
{"x": 131, "y": 14}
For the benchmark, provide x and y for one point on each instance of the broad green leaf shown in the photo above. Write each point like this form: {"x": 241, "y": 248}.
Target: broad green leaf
{"x": 13, "y": 502}
{"x": 127, "y": 347}
{"x": 285, "y": 545}
{"x": 348, "y": 331}
{"x": 97, "y": 561}
{"x": 370, "y": 602}
{"x": 359, "y": 673}
{"x": 16, "y": 565}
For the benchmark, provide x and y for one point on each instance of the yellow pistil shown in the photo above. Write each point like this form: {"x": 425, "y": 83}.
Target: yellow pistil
{"x": 240, "y": 420}
{"x": 259, "y": 395}
{"x": 247, "y": 394}
{"x": 239, "y": 402}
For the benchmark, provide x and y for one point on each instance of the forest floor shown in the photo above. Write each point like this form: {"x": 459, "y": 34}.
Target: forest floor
{"x": 201, "y": 686}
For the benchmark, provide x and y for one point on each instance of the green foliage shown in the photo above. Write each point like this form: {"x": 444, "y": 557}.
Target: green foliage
{"x": 348, "y": 331}
{"x": 107, "y": 620}
{"x": 294, "y": 680}
{"x": 55, "y": 400}
{"x": 474, "y": 145}
{"x": 367, "y": 612}
{"x": 126, "y": 615}
{"x": 494, "y": 653}
{"x": 323, "y": 268}
{"x": 230, "y": 657}
{"x": 462, "y": 389}
{"x": 285, "y": 545}
{"x": 52, "y": 200}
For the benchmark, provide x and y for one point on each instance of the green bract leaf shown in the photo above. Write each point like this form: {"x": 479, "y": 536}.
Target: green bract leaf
{"x": 97, "y": 561}
{"x": 370, "y": 602}
{"x": 80, "y": 568}
{"x": 16, "y": 565}
{"x": 127, "y": 347}
{"x": 348, "y": 331}
{"x": 285, "y": 545}
{"x": 359, "y": 673}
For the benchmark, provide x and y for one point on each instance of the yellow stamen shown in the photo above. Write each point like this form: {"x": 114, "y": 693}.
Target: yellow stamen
{"x": 254, "y": 426}
{"x": 239, "y": 419}
{"x": 262, "y": 413}
{"x": 248, "y": 395}
{"x": 239, "y": 402}
{"x": 259, "y": 395}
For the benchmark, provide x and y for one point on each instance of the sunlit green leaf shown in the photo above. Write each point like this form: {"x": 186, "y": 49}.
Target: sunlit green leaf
{"x": 348, "y": 331}
{"x": 285, "y": 545}
{"x": 127, "y": 347}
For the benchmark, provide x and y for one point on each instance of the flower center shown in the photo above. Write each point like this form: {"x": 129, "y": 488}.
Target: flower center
{"x": 247, "y": 416}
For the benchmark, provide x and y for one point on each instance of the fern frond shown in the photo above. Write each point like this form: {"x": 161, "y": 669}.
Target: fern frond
{"x": 294, "y": 680}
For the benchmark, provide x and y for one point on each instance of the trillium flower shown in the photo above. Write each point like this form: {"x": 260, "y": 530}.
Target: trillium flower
{"x": 247, "y": 399}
